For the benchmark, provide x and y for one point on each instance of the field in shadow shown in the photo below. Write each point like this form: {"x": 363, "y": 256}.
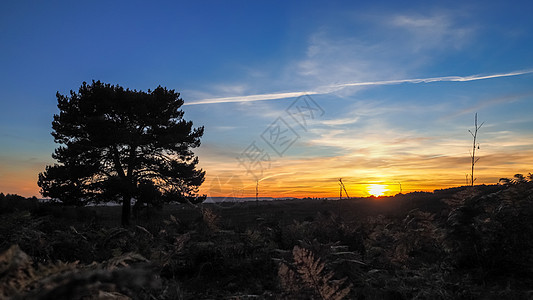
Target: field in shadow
{"x": 461, "y": 243}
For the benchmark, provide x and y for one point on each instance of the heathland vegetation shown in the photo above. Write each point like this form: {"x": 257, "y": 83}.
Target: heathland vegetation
{"x": 458, "y": 243}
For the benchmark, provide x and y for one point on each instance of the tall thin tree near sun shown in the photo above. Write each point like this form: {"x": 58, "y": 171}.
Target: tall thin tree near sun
{"x": 474, "y": 160}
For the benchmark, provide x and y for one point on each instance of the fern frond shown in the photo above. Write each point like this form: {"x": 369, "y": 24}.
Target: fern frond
{"x": 288, "y": 279}
{"x": 313, "y": 275}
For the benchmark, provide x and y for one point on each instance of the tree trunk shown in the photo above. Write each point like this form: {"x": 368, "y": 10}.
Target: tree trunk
{"x": 126, "y": 209}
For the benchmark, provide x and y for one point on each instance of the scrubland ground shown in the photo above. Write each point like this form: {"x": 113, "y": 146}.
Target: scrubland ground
{"x": 461, "y": 243}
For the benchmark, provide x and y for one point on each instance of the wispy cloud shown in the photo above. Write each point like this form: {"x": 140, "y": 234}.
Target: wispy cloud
{"x": 425, "y": 32}
{"x": 486, "y": 103}
{"x": 330, "y": 88}
{"x": 276, "y": 175}
{"x": 341, "y": 121}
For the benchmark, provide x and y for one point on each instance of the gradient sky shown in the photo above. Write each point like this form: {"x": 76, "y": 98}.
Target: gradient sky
{"x": 397, "y": 86}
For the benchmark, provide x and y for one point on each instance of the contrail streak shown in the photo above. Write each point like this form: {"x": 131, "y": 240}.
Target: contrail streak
{"x": 251, "y": 98}
{"x": 328, "y": 89}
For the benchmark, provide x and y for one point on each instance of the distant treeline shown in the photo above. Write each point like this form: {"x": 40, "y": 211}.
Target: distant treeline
{"x": 12, "y": 202}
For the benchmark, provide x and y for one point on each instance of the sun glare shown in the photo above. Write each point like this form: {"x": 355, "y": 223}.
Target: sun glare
{"x": 376, "y": 189}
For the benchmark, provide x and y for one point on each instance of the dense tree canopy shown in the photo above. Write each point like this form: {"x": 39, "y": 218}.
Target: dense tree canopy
{"x": 117, "y": 144}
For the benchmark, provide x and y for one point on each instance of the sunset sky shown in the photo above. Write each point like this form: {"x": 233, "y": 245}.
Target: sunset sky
{"x": 378, "y": 94}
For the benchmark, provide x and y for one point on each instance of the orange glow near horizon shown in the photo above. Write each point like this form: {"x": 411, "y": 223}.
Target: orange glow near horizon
{"x": 374, "y": 172}
{"x": 317, "y": 177}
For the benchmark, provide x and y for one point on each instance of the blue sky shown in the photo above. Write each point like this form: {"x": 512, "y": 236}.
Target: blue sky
{"x": 398, "y": 84}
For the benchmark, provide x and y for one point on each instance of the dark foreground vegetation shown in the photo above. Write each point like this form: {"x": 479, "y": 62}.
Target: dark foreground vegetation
{"x": 461, "y": 243}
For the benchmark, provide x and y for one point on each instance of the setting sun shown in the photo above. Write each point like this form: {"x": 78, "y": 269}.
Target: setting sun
{"x": 376, "y": 189}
